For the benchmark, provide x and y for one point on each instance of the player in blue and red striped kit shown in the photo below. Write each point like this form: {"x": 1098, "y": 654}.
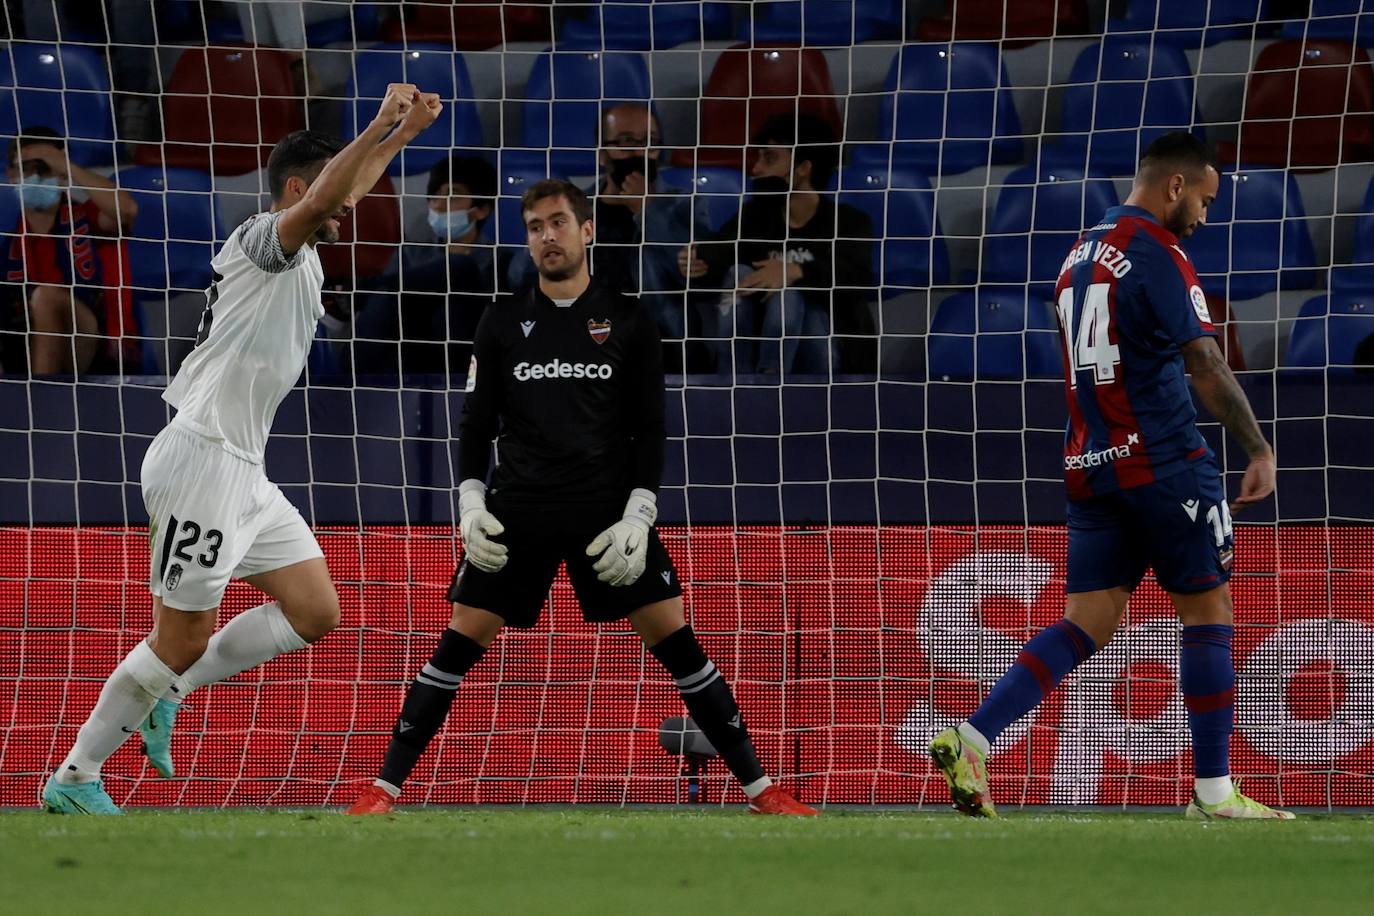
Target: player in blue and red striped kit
{"x": 1144, "y": 489}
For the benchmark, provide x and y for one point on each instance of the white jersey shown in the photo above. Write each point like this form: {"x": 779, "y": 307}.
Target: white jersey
{"x": 254, "y": 338}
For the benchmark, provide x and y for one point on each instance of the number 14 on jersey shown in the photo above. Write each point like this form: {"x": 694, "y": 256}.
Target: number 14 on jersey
{"x": 1090, "y": 345}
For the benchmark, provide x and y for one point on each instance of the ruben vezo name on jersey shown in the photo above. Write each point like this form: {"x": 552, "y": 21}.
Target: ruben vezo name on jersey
{"x": 1096, "y": 459}
{"x": 524, "y": 372}
{"x": 1109, "y": 256}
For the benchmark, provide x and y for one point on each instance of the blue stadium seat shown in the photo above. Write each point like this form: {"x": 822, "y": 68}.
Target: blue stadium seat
{"x": 1186, "y": 24}
{"x": 719, "y": 192}
{"x": 1359, "y": 274}
{"x": 901, "y": 205}
{"x": 174, "y": 233}
{"x": 64, "y": 87}
{"x": 437, "y": 69}
{"x": 642, "y": 25}
{"x": 1122, "y": 97}
{"x": 1016, "y": 336}
{"x": 822, "y": 22}
{"x": 575, "y": 81}
{"x": 1328, "y": 331}
{"x": 1256, "y": 238}
{"x": 1338, "y": 20}
{"x": 1037, "y": 219}
{"x": 516, "y": 170}
{"x": 938, "y": 130}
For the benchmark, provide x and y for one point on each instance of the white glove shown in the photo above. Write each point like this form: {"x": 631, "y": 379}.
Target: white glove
{"x": 624, "y": 546}
{"x": 478, "y": 526}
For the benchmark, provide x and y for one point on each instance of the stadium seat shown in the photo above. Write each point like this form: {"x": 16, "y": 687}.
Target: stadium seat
{"x": 173, "y": 235}
{"x": 564, "y": 97}
{"x": 1328, "y": 331}
{"x": 254, "y": 102}
{"x": 1023, "y": 21}
{"x": 935, "y": 129}
{"x": 1219, "y": 310}
{"x": 516, "y": 170}
{"x": 746, "y": 87}
{"x": 368, "y": 240}
{"x": 643, "y": 25}
{"x": 1256, "y": 238}
{"x": 1359, "y": 273}
{"x": 719, "y": 192}
{"x": 901, "y": 205}
{"x": 1122, "y": 97}
{"x": 821, "y": 22}
{"x": 1335, "y": 20}
{"x": 1323, "y": 88}
{"x": 1038, "y": 217}
{"x": 470, "y": 25}
{"x": 1188, "y": 25}
{"x": 65, "y": 87}
{"x": 994, "y": 332}
{"x": 435, "y": 68}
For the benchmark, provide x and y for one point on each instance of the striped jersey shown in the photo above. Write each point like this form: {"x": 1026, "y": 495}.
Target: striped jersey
{"x": 1128, "y": 299}
{"x": 254, "y": 338}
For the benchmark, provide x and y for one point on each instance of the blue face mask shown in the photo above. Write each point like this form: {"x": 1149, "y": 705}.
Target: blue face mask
{"x": 451, "y": 225}
{"x": 40, "y": 193}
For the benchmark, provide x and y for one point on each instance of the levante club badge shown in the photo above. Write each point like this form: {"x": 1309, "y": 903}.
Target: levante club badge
{"x": 599, "y": 330}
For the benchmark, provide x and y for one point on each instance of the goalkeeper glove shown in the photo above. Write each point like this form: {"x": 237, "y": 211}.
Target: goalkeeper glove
{"x": 624, "y": 546}
{"x": 478, "y": 526}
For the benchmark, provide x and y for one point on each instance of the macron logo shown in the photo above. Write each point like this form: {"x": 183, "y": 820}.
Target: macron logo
{"x": 1190, "y": 506}
{"x": 527, "y": 326}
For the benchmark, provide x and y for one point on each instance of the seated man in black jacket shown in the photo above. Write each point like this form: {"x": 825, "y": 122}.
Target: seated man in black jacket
{"x": 424, "y": 317}
{"x": 791, "y": 264}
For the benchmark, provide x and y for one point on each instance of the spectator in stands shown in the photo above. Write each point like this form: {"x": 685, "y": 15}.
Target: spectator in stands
{"x": 792, "y": 263}
{"x": 640, "y": 226}
{"x": 66, "y": 266}
{"x": 431, "y": 298}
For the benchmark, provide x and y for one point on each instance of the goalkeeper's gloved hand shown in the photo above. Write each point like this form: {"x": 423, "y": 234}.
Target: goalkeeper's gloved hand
{"x": 624, "y": 546}
{"x": 478, "y": 527}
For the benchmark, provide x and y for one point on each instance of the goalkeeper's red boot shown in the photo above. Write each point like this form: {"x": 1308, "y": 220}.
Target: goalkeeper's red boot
{"x": 373, "y": 800}
{"x": 774, "y": 800}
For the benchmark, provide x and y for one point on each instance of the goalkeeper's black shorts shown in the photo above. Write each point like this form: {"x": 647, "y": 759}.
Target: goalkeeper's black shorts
{"x": 539, "y": 538}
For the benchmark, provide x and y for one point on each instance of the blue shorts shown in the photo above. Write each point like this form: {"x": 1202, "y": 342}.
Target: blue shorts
{"x": 1180, "y": 526}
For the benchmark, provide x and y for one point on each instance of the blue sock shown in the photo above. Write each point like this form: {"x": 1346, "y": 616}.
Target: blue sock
{"x": 1207, "y": 680}
{"x": 1042, "y": 664}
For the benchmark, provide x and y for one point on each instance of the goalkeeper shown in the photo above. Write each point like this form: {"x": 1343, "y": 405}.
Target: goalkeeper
{"x": 570, "y": 376}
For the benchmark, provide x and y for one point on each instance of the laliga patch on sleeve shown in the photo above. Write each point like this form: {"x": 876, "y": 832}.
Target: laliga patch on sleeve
{"x": 1200, "y": 304}
{"x": 472, "y": 373}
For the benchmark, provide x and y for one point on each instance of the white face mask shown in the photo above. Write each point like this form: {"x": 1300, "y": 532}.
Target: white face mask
{"x": 451, "y": 225}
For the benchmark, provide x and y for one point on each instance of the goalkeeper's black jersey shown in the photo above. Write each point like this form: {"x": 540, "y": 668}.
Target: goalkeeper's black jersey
{"x": 573, "y": 396}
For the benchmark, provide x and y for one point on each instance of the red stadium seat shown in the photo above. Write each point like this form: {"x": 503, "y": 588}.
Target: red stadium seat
{"x": 471, "y": 25}
{"x": 1323, "y": 88}
{"x": 994, "y": 20}
{"x": 748, "y": 86}
{"x": 368, "y": 240}
{"x": 224, "y": 108}
{"x": 1229, "y": 339}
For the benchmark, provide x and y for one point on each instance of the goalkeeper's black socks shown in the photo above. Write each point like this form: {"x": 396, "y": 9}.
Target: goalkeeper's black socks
{"x": 712, "y": 705}
{"x": 426, "y": 706}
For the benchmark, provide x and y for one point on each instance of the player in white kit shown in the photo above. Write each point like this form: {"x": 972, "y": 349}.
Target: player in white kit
{"x": 212, "y": 511}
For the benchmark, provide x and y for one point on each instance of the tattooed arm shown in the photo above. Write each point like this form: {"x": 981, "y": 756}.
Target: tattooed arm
{"x": 1221, "y": 394}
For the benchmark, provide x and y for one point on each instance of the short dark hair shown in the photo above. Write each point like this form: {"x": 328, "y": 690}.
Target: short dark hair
{"x": 37, "y": 133}
{"x": 472, "y": 172}
{"x": 299, "y": 153}
{"x": 1177, "y": 150}
{"x": 557, "y": 187}
{"x": 812, "y": 140}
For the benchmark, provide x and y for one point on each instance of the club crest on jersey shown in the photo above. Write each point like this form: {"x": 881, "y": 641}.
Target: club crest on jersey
{"x": 599, "y": 330}
{"x": 173, "y": 577}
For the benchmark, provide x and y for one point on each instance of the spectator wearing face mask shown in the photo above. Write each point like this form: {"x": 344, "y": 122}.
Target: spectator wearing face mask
{"x": 425, "y": 317}
{"x": 792, "y": 265}
{"x": 66, "y": 269}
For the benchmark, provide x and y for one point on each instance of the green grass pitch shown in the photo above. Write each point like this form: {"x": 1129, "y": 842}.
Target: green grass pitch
{"x": 563, "y": 862}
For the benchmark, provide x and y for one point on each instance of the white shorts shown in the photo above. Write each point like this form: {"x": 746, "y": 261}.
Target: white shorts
{"x": 213, "y": 515}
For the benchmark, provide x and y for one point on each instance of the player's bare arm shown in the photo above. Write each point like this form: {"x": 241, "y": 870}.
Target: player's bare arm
{"x": 332, "y": 194}
{"x": 1222, "y": 395}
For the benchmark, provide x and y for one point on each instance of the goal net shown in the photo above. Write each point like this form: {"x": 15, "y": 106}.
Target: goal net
{"x": 863, "y": 493}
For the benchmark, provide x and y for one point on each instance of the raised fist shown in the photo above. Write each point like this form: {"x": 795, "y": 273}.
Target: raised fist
{"x": 400, "y": 99}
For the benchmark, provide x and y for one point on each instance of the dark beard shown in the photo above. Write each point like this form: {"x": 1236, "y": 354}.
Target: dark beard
{"x": 558, "y": 276}
{"x": 326, "y": 234}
